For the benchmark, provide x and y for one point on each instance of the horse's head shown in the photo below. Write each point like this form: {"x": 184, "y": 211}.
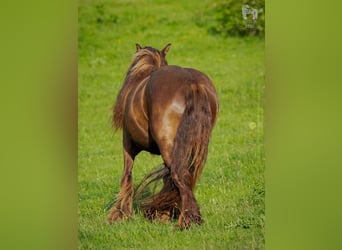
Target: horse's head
{"x": 149, "y": 56}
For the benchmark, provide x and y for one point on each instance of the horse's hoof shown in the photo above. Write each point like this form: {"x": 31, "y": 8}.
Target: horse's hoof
{"x": 155, "y": 215}
{"x": 185, "y": 222}
{"x": 164, "y": 217}
{"x": 115, "y": 216}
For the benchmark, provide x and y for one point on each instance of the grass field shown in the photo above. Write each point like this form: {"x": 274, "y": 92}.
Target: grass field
{"x": 231, "y": 190}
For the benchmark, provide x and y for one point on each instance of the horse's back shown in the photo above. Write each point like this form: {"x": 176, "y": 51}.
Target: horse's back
{"x": 174, "y": 77}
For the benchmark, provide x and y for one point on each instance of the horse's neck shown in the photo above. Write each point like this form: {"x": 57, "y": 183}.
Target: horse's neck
{"x": 133, "y": 82}
{"x": 140, "y": 77}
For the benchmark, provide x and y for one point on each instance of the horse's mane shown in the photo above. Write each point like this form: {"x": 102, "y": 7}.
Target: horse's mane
{"x": 144, "y": 62}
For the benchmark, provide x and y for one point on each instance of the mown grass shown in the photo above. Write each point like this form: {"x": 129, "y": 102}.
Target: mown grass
{"x": 231, "y": 190}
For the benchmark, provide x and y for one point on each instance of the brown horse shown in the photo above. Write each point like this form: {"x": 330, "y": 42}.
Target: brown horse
{"x": 169, "y": 111}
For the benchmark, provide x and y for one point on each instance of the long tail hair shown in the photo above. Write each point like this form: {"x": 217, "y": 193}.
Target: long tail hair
{"x": 189, "y": 153}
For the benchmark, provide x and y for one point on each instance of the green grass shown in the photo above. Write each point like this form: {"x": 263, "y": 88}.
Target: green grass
{"x": 231, "y": 190}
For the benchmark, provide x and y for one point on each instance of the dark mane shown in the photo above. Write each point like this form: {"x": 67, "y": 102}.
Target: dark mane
{"x": 145, "y": 61}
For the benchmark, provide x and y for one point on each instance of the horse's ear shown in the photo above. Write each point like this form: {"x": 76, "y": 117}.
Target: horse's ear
{"x": 138, "y": 46}
{"x": 166, "y": 49}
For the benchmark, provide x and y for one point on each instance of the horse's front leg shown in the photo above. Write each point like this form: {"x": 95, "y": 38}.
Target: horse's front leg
{"x": 123, "y": 207}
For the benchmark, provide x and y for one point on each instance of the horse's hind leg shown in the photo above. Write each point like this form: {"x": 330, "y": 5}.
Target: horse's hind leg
{"x": 190, "y": 213}
{"x": 123, "y": 207}
{"x": 165, "y": 205}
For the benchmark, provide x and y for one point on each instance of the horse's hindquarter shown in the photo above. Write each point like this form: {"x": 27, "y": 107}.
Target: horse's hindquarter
{"x": 202, "y": 79}
{"x": 166, "y": 94}
{"x": 167, "y": 89}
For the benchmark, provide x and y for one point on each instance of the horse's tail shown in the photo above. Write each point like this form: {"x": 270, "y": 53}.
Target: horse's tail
{"x": 190, "y": 147}
{"x": 188, "y": 156}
